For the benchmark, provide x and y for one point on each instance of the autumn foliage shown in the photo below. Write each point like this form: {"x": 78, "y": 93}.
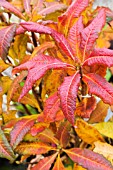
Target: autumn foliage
{"x": 57, "y": 95}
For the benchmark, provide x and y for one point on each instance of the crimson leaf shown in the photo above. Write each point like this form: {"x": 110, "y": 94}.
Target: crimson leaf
{"x": 100, "y": 87}
{"x": 74, "y": 36}
{"x": 68, "y": 93}
{"x": 100, "y": 56}
{"x": 6, "y": 36}
{"x": 19, "y": 131}
{"x": 51, "y": 107}
{"x": 60, "y": 39}
{"x": 90, "y": 33}
{"x": 37, "y": 67}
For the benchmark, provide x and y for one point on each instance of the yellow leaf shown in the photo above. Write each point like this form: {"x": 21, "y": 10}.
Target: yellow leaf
{"x": 105, "y": 128}
{"x": 18, "y": 48}
{"x": 86, "y": 132}
{"x": 6, "y": 83}
{"x": 51, "y": 82}
{"x": 3, "y": 66}
{"x": 9, "y": 116}
{"x": 105, "y": 149}
{"x": 27, "y": 99}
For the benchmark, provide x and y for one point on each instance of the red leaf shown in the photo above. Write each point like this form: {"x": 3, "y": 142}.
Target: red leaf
{"x": 74, "y": 11}
{"x": 6, "y": 36}
{"x": 89, "y": 159}
{"x": 63, "y": 133}
{"x": 35, "y": 27}
{"x": 102, "y": 56}
{"x": 20, "y": 130}
{"x": 37, "y": 67}
{"x": 60, "y": 39}
{"x": 51, "y": 107}
{"x": 20, "y": 30}
{"x": 27, "y": 6}
{"x": 45, "y": 163}
{"x": 100, "y": 87}
{"x": 63, "y": 44}
{"x": 52, "y": 7}
{"x": 11, "y": 8}
{"x": 68, "y": 93}
{"x": 5, "y": 148}
{"x": 74, "y": 36}
{"x": 90, "y": 33}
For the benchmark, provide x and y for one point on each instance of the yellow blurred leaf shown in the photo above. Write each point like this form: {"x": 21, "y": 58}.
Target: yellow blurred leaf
{"x": 18, "y": 48}
{"x": 14, "y": 86}
{"x": 6, "y": 83}
{"x": 51, "y": 82}
{"x": 3, "y": 66}
{"x": 105, "y": 149}
{"x": 27, "y": 99}
{"x": 86, "y": 132}
{"x": 18, "y": 4}
{"x": 7, "y": 116}
{"x": 105, "y": 128}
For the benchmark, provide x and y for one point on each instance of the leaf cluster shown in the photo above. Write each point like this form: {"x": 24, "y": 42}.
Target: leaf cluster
{"x": 58, "y": 74}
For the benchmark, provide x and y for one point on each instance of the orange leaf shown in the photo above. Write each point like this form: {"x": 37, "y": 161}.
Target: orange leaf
{"x": 85, "y": 107}
{"x": 33, "y": 148}
{"x": 37, "y": 128}
{"x": 58, "y": 164}
{"x": 99, "y": 114}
